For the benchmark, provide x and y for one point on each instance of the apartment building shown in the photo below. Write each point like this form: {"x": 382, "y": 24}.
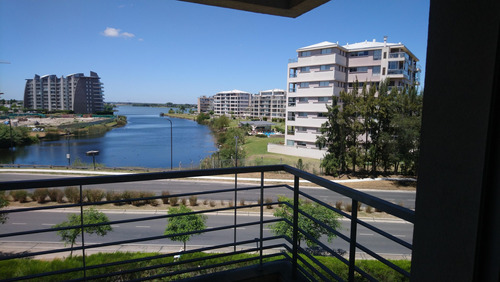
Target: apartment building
{"x": 324, "y": 69}
{"x": 205, "y": 104}
{"x": 233, "y": 102}
{"x": 269, "y": 104}
{"x": 76, "y": 92}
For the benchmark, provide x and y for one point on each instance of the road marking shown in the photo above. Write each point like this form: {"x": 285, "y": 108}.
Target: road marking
{"x": 143, "y": 226}
{"x": 18, "y": 223}
{"x": 243, "y": 228}
{"x": 48, "y": 224}
{"x": 402, "y": 236}
{"x": 366, "y": 234}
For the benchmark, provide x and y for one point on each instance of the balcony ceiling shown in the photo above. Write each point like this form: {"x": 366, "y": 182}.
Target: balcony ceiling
{"x": 284, "y": 8}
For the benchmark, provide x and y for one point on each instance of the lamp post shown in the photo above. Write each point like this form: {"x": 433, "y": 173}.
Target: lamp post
{"x": 171, "y": 146}
{"x": 68, "y": 155}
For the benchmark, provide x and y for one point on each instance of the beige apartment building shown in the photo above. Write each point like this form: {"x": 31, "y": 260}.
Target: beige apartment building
{"x": 205, "y": 104}
{"x": 323, "y": 70}
{"x": 233, "y": 102}
{"x": 269, "y": 104}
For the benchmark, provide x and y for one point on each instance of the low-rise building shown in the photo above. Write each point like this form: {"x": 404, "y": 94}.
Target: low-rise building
{"x": 269, "y": 104}
{"x": 205, "y": 104}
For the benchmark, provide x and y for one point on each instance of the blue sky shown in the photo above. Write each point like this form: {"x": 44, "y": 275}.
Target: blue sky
{"x": 170, "y": 51}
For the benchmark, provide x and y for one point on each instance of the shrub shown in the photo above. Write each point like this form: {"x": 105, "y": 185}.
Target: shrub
{"x": 205, "y": 202}
{"x": 94, "y": 195}
{"x": 174, "y": 201}
{"x": 230, "y": 203}
{"x": 338, "y": 205}
{"x": 114, "y": 196}
{"x": 368, "y": 209}
{"x": 222, "y": 202}
{"x": 20, "y": 195}
{"x": 212, "y": 204}
{"x": 145, "y": 194}
{"x": 242, "y": 202}
{"x": 268, "y": 202}
{"x": 193, "y": 201}
{"x": 259, "y": 201}
{"x": 73, "y": 194}
{"x": 165, "y": 200}
{"x": 40, "y": 195}
{"x": 359, "y": 206}
{"x": 56, "y": 195}
{"x": 128, "y": 195}
{"x": 348, "y": 207}
{"x": 183, "y": 201}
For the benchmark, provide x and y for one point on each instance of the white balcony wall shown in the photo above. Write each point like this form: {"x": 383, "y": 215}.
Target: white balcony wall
{"x": 363, "y": 61}
{"x": 307, "y": 122}
{"x": 314, "y": 92}
{"x": 310, "y": 107}
{"x": 304, "y": 136}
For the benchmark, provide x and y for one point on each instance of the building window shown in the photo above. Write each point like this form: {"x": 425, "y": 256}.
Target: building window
{"x": 323, "y": 99}
{"x": 320, "y": 115}
{"x": 393, "y": 65}
{"x": 303, "y": 100}
{"x": 359, "y": 54}
{"x": 326, "y": 51}
{"x": 324, "y": 83}
{"x": 305, "y": 53}
{"x": 377, "y": 54}
{"x": 291, "y": 88}
{"x": 383, "y": 71}
{"x": 302, "y": 114}
{"x": 305, "y": 69}
{"x": 300, "y": 143}
{"x": 385, "y": 55}
{"x": 376, "y": 70}
{"x": 325, "y": 67}
{"x": 358, "y": 69}
{"x": 304, "y": 84}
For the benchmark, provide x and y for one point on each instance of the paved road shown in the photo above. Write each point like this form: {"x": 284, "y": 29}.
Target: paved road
{"x": 405, "y": 198}
{"x": 40, "y": 220}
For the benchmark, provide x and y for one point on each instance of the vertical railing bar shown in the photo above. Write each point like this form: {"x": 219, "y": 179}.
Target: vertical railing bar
{"x": 235, "y": 204}
{"x": 352, "y": 244}
{"x": 295, "y": 226}
{"x": 83, "y": 237}
{"x": 261, "y": 214}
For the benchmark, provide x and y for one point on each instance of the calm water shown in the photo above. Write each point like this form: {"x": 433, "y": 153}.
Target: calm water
{"x": 143, "y": 142}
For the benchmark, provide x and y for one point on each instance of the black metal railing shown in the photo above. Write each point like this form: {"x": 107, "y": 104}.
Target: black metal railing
{"x": 268, "y": 247}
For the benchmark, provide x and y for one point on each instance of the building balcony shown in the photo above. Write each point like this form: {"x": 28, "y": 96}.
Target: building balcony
{"x": 261, "y": 248}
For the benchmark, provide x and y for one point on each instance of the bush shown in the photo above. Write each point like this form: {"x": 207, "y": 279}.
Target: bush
{"x": 205, "y": 202}
{"x": 242, "y": 202}
{"x": 56, "y": 195}
{"x": 128, "y": 195}
{"x": 359, "y": 206}
{"x": 145, "y": 194}
{"x": 20, "y": 195}
{"x": 222, "y": 203}
{"x": 338, "y": 205}
{"x": 94, "y": 195}
{"x": 368, "y": 209}
{"x": 348, "y": 207}
{"x": 114, "y": 196}
{"x": 212, "y": 204}
{"x": 268, "y": 202}
{"x": 165, "y": 200}
{"x": 193, "y": 201}
{"x": 230, "y": 203}
{"x": 40, "y": 195}
{"x": 183, "y": 201}
{"x": 73, "y": 194}
{"x": 174, "y": 201}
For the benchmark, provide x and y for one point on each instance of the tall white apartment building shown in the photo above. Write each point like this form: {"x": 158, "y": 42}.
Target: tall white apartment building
{"x": 234, "y": 102}
{"x": 76, "y": 92}
{"x": 269, "y": 104}
{"x": 324, "y": 69}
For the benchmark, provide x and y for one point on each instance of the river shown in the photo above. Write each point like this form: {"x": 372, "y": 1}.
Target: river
{"x": 143, "y": 142}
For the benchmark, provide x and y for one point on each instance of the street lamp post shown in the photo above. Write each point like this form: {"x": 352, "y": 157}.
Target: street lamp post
{"x": 171, "y": 145}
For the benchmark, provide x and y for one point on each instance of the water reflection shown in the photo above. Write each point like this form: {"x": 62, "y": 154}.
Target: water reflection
{"x": 143, "y": 142}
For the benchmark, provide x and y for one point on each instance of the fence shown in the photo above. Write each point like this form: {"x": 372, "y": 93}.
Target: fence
{"x": 303, "y": 264}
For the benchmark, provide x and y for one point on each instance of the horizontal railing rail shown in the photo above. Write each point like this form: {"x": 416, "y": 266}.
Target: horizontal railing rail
{"x": 303, "y": 263}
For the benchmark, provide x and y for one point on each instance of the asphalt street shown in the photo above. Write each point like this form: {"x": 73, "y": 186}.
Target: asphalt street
{"x": 141, "y": 229}
{"x": 404, "y": 198}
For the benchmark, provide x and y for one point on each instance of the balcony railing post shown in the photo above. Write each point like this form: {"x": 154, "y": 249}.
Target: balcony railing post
{"x": 235, "y": 207}
{"x": 352, "y": 245}
{"x": 261, "y": 215}
{"x": 295, "y": 239}
{"x": 83, "y": 236}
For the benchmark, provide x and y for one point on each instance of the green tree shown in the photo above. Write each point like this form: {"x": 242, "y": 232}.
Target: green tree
{"x": 228, "y": 143}
{"x": 90, "y": 216}
{"x": 320, "y": 213}
{"x": 184, "y": 223}
{"x": 202, "y": 117}
{"x": 220, "y": 123}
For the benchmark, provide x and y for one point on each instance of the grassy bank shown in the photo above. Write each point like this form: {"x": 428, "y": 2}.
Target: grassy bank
{"x": 162, "y": 264}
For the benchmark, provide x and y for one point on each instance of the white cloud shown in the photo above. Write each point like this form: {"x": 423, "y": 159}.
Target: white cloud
{"x": 115, "y": 32}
